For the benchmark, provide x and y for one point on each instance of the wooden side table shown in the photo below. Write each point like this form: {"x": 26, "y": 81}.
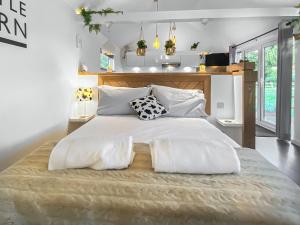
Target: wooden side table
{"x": 76, "y": 122}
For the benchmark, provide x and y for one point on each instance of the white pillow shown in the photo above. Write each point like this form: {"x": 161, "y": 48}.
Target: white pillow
{"x": 180, "y": 102}
{"x": 115, "y": 100}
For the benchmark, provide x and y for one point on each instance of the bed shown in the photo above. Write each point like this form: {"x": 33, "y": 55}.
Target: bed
{"x": 260, "y": 194}
{"x": 30, "y": 194}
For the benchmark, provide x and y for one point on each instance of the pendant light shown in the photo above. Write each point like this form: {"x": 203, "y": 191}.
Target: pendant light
{"x": 156, "y": 43}
{"x": 141, "y": 33}
{"x": 173, "y": 33}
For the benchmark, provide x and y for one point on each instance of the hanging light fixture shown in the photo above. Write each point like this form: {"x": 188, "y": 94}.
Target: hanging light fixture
{"x": 173, "y": 33}
{"x": 156, "y": 43}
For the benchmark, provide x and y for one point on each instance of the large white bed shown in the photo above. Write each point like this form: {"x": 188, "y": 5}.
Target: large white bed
{"x": 255, "y": 193}
{"x": 259, "y": 195}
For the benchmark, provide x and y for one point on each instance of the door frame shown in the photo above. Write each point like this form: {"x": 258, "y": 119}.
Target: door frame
{"x": 260, "y": 45}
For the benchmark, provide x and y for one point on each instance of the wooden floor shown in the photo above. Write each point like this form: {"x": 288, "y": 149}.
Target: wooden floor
{"x": 283, "y": 155}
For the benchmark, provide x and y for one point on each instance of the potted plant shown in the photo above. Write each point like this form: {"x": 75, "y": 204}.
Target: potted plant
{"x": 141, "y": 50}
{"x": 195, "y": 46}
{"x": 170, "y": 47}
{"x": 295, "y": 23}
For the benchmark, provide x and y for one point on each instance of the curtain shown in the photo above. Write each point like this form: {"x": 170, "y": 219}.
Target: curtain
{"x": 284, "y": 81}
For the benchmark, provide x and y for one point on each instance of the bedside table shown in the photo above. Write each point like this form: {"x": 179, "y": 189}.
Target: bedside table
{"x": 232, "y": 128}
{"x": 76, "y": 122}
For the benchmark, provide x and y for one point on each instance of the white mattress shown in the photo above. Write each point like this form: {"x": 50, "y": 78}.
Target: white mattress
{"x": 145, "y": 131}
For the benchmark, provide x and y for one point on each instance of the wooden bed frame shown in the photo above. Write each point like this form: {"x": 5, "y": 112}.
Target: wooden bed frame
{"x": 194, "y": 81}
{"x": 183, "y": 81}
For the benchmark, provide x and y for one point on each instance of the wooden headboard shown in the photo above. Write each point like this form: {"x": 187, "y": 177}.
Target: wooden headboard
{"x": 176, "y": 80}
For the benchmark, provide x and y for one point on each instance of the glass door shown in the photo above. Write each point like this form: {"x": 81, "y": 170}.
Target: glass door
{"x": 265, "y": 58}
{"x": 269, "y": 87}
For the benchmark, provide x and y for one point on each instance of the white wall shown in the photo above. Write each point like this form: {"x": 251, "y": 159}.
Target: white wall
{"x": 296, "y": 138}
{"x": 216, "y": 36}
{"x": 222, "y": 97}
{"x": 90, "y": 45}
{"x": 36, "y": 84}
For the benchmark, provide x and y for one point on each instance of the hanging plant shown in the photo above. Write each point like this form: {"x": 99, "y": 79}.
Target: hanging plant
{"x": 87, "y": 17}
{"x": 295, "y": 23}
{"x": 141, "y": 44}
{"x": 195, "y": 46}
{"x": 170, "y": 47}
{"x": 141, "y": 50}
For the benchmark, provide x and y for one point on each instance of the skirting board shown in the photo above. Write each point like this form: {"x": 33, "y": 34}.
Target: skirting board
{"x": 296, "y": 142}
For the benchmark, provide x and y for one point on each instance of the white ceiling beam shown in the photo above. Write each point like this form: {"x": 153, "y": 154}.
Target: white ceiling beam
{"x": 194, "y": 15}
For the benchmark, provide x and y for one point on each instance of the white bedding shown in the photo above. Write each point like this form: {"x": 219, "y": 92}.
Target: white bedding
{"x": 193, "y": 156}
{"x": 109, "y": 127}
{"x": 91, "y": 152}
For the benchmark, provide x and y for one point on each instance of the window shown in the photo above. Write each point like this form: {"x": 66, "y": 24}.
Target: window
{"x": 270, "y": 83}
{"x": 264, "y": 54}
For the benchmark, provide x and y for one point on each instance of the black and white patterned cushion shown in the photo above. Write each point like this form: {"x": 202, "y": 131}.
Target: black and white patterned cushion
{"x": 148, "y": 108}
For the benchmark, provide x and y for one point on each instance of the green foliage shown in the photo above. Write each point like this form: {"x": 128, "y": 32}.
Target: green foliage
{"x": 169, "y": 44}
{"x": 252, "y": 57}
{"x": 270, "y": 64}
{"x": 141, "y": 44}
{"x": 87, "y": 17}
{"x": 295, "y": 22}
{"x": 195, "y": 45}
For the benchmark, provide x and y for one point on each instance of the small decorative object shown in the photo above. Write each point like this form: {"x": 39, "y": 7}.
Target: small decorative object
{"x": 195, "y": 46}
{"x": 87, "y": 17}
{"x": 202, "y": 66}
{"x": 295, "y": 23}
{"x": 170, "y": 47}
{"x": 83, "y": 68}
{"x": 142, "y": 46}
{"x": 84, "y": 95}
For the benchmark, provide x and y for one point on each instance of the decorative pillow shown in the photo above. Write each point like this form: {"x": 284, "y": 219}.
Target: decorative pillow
{"x": 148, "y": 108}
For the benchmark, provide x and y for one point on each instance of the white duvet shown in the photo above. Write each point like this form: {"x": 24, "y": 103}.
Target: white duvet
{"x": 108, "y": 127}
{"x": 89, "y": 145}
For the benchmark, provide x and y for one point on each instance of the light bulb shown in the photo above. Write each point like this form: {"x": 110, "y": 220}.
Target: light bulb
{"x": 156, "y": 43}
{"x": 79, "y": 10}
{"x": 174, "y": 39}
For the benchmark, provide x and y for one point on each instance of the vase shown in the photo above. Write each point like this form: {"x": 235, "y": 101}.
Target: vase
{"x": 297, "y": 31}
{"x": 170, "y": 51}
{"x": 140, "y": 51}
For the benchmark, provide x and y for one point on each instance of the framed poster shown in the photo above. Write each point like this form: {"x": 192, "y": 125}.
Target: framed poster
{"x": 13, "y": 25}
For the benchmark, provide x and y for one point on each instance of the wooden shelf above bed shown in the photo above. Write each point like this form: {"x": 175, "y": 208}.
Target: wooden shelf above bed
{"x": 162, "y": 73}
{"x": 234, "y": 69}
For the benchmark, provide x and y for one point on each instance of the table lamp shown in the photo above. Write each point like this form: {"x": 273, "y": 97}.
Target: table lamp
{"x": 84, "y": 95}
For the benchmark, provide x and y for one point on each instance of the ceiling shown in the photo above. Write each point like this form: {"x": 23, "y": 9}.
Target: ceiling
{"x": 217, "y": 35}
{"x": 173, "y": 5}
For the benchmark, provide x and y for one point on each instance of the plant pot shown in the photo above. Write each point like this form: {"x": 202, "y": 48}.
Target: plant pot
{"x": 297, "y": 31}
{"x": 140, "y": 51}
{"x": 170, "y": 51}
